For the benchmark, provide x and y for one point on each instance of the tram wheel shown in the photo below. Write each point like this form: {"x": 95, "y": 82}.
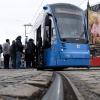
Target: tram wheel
{"x": 58, "y": 69}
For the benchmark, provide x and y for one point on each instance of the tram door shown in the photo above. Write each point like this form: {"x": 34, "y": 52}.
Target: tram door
{"x": 38, "y": 46}
{"x": 47, "y": 32}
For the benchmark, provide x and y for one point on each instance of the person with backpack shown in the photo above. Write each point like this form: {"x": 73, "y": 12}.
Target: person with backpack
{"x": 0, "y": 54}
{"x": 19, "y": 51}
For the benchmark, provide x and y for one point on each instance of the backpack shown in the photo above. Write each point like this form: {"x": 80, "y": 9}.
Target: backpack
{"x": 30, "y": 48}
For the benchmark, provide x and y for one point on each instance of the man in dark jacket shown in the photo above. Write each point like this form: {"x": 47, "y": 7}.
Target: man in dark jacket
{"x": 30, "y": 53}
{"x": 19, "y": 50}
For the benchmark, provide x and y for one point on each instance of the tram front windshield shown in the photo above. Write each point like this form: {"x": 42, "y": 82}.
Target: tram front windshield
{"x": 70, "y": 26}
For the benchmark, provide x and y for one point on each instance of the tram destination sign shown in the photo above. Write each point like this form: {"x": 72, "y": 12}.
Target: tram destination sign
{"x": 67, "y": 11}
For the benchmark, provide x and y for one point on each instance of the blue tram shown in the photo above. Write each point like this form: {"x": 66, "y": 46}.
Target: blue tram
{"x": 61, "y": 37}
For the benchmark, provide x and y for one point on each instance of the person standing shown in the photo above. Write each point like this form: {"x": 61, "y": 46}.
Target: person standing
{"x": 6, "y": 53}
{"x": 13, "y": 54}
{"x": 0, "y": 54}
{"x": 29, "y": 54}
{"x": 19, "y": 50}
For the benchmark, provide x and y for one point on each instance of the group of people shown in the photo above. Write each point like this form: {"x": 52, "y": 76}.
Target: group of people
{"x": 15, "y": 52}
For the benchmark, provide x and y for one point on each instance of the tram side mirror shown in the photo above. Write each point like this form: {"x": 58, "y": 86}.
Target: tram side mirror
{"x": 45, "y": 8}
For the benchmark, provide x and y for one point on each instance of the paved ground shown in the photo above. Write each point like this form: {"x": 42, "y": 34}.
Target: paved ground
{"x": 87, "y": 81}
{"x": 23, "y": 84}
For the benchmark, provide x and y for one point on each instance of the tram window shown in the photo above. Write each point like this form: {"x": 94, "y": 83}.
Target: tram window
{"x": 39, "y": 39}
{"x": 39, "y": 29}
{"x": 39, "y": 32}
{"x": 47, "y": 21}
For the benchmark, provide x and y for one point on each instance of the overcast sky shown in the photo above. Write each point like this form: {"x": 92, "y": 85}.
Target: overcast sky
{"x": 15, "y": 13}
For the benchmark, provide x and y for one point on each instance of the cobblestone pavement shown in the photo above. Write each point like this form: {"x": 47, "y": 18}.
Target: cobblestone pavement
{"x": 23, "y": 84}
{"x": 87, "y": 82}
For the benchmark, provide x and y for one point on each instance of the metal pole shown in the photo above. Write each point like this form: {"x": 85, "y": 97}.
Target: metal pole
{"x": 26, "y": 33}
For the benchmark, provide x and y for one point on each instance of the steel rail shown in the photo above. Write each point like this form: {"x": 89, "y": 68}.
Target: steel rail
{"x": 55, "y": 92}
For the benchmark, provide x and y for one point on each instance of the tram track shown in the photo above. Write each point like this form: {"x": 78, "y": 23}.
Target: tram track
{"x": 62, "y": 89}
{"x": 74, "y": 84}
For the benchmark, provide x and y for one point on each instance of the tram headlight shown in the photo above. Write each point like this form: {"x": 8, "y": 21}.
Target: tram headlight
{"x": 62, "y": 49}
